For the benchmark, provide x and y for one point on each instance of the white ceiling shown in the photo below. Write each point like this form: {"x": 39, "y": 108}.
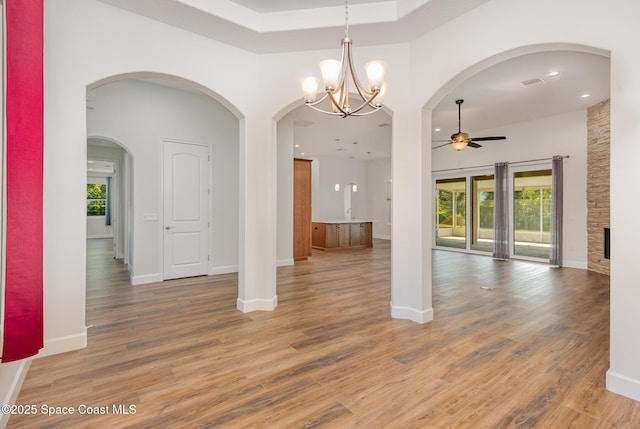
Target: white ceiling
{"x": 269, "y": 26}
{"x": 268, "y": 6}
{"x": 493, "y": 97}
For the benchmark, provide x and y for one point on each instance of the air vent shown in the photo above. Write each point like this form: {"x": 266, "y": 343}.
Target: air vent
{"x": 532, "y": 81}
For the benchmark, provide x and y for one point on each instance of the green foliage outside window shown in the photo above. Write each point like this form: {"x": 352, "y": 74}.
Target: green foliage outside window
{"x": 527, "y": 209}
{"x": 445, "y": 204}
{"x": 96, "y": 199}
{"x": 486, "y": 210}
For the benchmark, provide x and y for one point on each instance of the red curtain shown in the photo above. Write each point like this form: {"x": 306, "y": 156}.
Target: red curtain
{"x": 23, "y": 296}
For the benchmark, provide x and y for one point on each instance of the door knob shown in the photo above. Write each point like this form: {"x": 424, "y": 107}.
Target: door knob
{"x": 169, "y": 227}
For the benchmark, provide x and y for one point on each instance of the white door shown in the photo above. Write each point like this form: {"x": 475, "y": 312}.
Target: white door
{"x": 186, "y": 209}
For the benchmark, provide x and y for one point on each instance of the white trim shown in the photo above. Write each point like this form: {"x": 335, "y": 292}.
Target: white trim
{"x": 63, "y": 344}
{"x": 284, "y": 262}
{"x": 89, "y": 237}
{"x": 382, "y": 237}
{"x": 147, "y": 278}
{"x": 623, "y": 385}
{"x": 13, "y": 386}
{"x": 213, "y": 271}
{"x": 412, "y": 314}
{"x": 162, "y": 170}
{"x": 581, "y": 265}
{"x": 257, "y": 304}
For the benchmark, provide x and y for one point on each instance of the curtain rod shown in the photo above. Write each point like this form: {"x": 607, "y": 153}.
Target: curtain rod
{"x": 491, "y": 165}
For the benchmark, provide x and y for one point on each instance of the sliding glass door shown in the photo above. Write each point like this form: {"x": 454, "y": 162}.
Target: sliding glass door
{"x": 482, "y": 209}
{"x": 451, "y": 213}
{"x": 464, "y": 212}
{"x": 532, "y": 213}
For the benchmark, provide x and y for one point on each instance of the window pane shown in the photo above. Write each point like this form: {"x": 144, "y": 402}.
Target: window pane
{"x": 451, "y": 208}
{"x": 482, "y": 220}
{"x": 96, "y": 207}
{"x": 532, "y": 213}
{"x": 96, "y": 199}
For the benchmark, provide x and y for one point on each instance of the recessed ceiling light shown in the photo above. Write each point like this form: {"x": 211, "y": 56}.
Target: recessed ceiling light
{"x": 301, "y": 153}
{"x": 585, "y": 95}
{"x": 437, "y": 129}
{"x": 297, "y": 145}
{"x": 553, "y": 73}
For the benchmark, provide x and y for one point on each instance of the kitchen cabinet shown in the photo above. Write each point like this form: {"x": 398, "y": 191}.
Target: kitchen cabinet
{"x": 341, "y": 234}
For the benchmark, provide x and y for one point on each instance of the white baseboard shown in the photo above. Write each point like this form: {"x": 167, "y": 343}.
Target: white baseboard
{"x": 284, "y": 262}
{"x": 214, "y": 271}
{"x": 12, "y": 375}
{"x": 147, "y": 278}
{"x": 63, "y": 344}
{"x": 415, "y": 315}
{"x": 257, "y": 304}
{"x": 382, "y": 237}
{"x": 575, "y": 264}
{"x": 623, "y": 385}
{"x": 89, "y": 237}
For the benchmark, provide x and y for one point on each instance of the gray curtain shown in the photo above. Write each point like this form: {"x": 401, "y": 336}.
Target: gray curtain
{"x": 556, "y": 211}
{"x": 501, "y": 212}
{"x": 107, "y": 204}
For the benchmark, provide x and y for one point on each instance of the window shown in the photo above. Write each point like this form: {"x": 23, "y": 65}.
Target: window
{"x": 451, "y": 213}
{"x": 482, "y": 207}
{"x": 96, "y": 199}
{"x": 532, "y": 213}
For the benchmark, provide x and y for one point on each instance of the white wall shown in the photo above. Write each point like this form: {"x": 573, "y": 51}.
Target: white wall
{"x": 284, "y": 251}
{"x": 333, "y": 170}
{"x": 139, "y": 115}
{"x": 542, "y": 138}
{"x": 379, "y": 173}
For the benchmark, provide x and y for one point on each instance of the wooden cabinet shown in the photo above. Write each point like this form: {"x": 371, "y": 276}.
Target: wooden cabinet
{"x": 328, "y": 236}
{"x": 361, "y": 234}
{"x": 301, "y": 209}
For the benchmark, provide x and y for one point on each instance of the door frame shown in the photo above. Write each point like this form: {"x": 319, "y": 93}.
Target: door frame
{"x": 161, "y": 222}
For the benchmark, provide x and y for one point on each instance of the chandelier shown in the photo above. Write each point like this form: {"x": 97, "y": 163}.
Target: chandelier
{"x": 337, "y": 75}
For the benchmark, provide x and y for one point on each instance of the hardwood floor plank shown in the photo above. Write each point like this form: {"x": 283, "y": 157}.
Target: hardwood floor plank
{"x": 513, "y": 344}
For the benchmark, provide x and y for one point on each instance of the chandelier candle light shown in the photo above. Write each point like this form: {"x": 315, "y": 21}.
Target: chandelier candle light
{"x": 336, "y": 76}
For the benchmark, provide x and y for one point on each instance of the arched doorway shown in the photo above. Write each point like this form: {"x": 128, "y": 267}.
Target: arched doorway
{"x": 147, "y": 111}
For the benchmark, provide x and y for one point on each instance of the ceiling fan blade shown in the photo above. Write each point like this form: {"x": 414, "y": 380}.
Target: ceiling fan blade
{"x": 484, "y": 139}
{"x": 473, "y": 145}
{"x": 442, "y": 145}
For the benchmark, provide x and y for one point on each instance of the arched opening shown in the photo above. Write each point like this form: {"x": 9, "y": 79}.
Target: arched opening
{"x": 148, "y": 113}
{"x": 537, "y": 97}
{"x": 343, "y": 153}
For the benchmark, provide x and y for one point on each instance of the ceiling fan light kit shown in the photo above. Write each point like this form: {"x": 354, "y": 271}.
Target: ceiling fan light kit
{"x": 336, "y": 77}
{"x": 459, "y": 141}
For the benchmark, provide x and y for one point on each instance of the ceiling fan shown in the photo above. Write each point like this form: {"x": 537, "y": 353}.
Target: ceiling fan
{"x": 461, "y": 140}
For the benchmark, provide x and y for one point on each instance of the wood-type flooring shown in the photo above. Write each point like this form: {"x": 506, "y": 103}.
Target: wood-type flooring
{"x": 513, "y": 344}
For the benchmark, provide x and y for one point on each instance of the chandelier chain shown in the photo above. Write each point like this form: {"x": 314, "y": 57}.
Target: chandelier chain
{"x": 346, "y": 18}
